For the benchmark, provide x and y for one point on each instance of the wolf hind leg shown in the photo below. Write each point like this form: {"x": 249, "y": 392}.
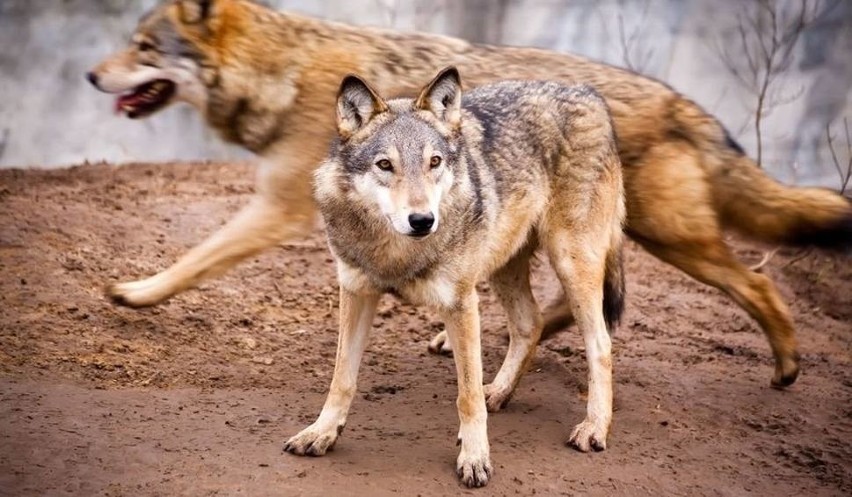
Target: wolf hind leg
{"x": 440, "y": 344}
{"x": 557, "y": 316}
{"x": 687, "y": 234}
{"x": 512, "y": 286}
{"x": 578, "y": 255}
{"x": 711, "y": 262}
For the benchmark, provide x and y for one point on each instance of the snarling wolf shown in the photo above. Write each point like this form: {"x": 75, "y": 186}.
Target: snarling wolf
{"x": 423, "y": 198}
{"x": 266, "y": 80}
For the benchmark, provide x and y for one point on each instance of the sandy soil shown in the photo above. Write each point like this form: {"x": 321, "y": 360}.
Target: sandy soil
{"x": 196, "y": 397}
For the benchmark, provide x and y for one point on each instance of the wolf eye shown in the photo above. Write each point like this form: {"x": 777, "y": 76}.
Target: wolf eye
{"x": 145, "y": 46}
{"x": 384, "y": 165}
{"x": 435, "y": 161}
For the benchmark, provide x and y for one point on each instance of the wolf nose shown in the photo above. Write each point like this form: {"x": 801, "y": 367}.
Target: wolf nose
{"x": 421, "y": 223}
{"x": 93, "y": 78}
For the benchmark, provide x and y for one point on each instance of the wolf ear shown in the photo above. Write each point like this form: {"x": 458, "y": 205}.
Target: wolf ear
{"x": 195, "y": 11}
{"x": 357, "y": 104}
{"x": 442, "y": 97}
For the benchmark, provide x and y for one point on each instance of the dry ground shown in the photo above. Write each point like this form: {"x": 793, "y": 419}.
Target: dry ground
{"x": 196, "y": 397}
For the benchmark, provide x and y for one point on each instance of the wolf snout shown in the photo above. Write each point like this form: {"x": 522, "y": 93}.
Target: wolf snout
{"x": 92, "y": 78}
{"x": 421, "y": 224}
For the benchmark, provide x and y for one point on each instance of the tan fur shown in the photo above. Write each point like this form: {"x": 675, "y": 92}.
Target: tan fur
{"x": 500, "y": 192}
{"x": 267, "y": 81}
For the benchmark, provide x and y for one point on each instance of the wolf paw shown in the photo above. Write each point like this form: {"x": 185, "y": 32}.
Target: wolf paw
{"x": 786, "y": 371}
{"x": 588, "y": 436}
{"x": 441, "y": 344}
{"x": 312, "y": 441}
{"x": 142, "y": 293}
{"x": 474, "y": 471}
{"x": 496, "y": 397}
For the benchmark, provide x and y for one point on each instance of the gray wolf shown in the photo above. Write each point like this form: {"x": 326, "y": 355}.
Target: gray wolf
{"x": 423, "y": 198}
{"x": 266, "y": 80}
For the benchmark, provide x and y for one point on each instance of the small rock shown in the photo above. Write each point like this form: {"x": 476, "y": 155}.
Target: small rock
{"x": 262, "y": 360}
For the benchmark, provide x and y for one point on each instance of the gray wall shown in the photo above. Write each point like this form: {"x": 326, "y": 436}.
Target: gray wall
{"x": 50, "y": 117}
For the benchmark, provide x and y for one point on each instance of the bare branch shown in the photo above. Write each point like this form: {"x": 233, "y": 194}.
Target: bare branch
{"x": 779, "y": 99}
{"x": 846, "y": 174}
{"x": 625, "y": 47}
{"x": 629, "y": 42}
{"x": 752, "y": 62}
{"x": 763, "y": 49}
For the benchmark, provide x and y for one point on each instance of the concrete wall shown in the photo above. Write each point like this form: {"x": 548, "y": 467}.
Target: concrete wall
{"x": 50, "y": 117}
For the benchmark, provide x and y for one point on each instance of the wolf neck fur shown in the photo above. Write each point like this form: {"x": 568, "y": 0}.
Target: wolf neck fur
{"x": 250, "y": 99}
{"x": 253, "y": 99}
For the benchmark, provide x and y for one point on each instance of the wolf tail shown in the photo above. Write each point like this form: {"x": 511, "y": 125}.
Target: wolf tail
{"x": 755, "y": 205}
{"x": 759, "y": 207}
{"x": 614, "y": 291}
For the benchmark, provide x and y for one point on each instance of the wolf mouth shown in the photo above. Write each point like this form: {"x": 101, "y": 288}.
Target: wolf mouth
{"x": 146, "y": 98}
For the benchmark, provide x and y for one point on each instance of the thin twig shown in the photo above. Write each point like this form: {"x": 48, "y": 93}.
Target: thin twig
{"x": 844, "y": 175}
{"x": 766, "y": 258}
{"x": 628, "y": 42}
{"x": 806, "y": 252}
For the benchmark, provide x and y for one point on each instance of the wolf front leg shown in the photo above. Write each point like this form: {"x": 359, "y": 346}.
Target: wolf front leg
{"x": 260, "y": 225}
{"x": 356, "y": 317}
{"x": 462, "y": 321}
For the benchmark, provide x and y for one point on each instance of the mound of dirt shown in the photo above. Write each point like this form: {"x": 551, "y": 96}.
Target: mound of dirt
{"x": 196, "y": 396}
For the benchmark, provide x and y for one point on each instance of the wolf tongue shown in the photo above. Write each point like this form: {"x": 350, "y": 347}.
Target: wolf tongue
{"x": 124, "y": 100}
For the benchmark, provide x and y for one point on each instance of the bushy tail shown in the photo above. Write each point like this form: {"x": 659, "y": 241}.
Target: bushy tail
{"x": 613, "y": 298}
{"x": 751, "y": 202}
{"x": 754, "y": 204}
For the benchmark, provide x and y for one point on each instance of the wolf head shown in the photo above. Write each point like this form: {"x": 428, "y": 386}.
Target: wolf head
{"x": 400, "y": 155}
{"x": 166, "y": 60}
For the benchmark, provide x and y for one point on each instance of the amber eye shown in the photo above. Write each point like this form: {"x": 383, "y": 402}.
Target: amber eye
{"x": 384, "y": 165}
{"x": 435, "y": 161}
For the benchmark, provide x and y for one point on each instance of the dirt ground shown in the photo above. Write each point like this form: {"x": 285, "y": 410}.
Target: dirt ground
{"x": 196, "y": 396}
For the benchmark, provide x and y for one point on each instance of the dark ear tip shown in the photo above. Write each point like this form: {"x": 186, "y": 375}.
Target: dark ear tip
{"x": 350, "y": 80}
{"x": 451, "y": 72}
